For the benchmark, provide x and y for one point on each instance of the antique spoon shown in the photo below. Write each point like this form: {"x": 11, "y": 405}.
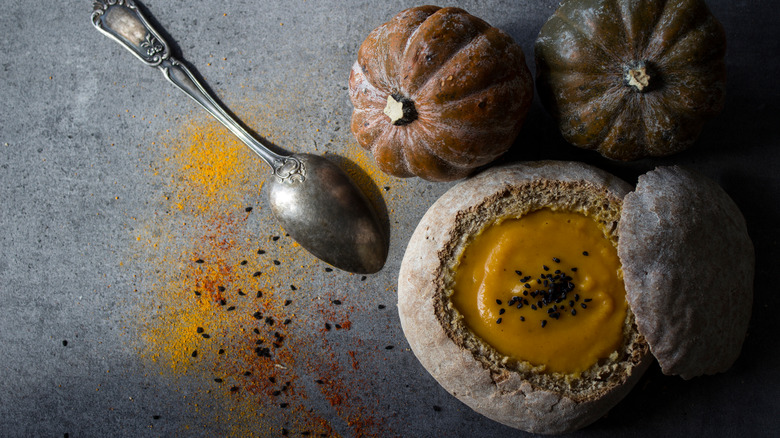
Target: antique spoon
{"x": 311, "y": 197}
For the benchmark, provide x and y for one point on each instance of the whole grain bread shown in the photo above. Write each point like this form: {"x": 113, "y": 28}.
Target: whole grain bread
{"x": 688, "y": 265}
{"x": 511, "y": 392}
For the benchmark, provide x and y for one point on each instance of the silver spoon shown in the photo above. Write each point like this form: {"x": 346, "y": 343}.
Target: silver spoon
{"x": 312, "y": 198}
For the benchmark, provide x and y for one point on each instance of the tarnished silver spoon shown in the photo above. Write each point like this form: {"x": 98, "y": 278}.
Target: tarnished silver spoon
{"x": 311, "y": 197}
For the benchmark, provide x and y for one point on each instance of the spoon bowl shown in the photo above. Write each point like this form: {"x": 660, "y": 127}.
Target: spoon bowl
{"x": 311, "y": 197}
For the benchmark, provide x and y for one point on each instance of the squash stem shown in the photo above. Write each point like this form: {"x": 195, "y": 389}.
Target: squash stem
{"x": 400, "y": 109}
{"x": 637, "y": 76}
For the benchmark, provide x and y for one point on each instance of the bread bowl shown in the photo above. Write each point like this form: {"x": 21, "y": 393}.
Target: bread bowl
{"x": 537, "y": 397}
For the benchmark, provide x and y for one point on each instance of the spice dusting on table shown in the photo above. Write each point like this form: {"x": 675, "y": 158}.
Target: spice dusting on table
{"x": 235, "y": 307}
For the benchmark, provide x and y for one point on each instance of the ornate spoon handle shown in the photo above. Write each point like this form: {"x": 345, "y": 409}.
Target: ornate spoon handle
{"x": 121, "y": 21}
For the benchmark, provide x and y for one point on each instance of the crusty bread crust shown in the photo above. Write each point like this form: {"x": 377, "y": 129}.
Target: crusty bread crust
{"x": 688, "y": 265}
{"x": 510, "y": 392}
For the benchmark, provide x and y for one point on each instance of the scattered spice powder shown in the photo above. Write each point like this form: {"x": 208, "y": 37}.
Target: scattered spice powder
{"x": 254, "y": 352}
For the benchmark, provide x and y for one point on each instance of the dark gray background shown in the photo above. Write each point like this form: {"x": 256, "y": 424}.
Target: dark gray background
{"x": 62, "y": 236}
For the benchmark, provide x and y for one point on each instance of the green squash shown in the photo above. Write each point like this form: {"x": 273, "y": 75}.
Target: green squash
{"x": 631, "y": 78}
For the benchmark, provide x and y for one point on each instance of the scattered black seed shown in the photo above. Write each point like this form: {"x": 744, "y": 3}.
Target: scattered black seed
{"x": 545, "y": 267}
{"x": 248, "y": 209}
{"x": 277, "y": 262}
{"x": 518, "y": 273}
{"x": 260, "y": 252}
{"x": 284, "y": 432}
{"x": 328, "y": 269}
{"x": 498, "y": 321}
{"x": 381, "y": 306}
{"x": 544, "y": 323}
{"x": 155, "y": 417}
{"x": 199, "y": 261}
{"x": 222, "y": 302}
{"x": 573, "y": 312}
{"x": 221, "y": 351}
{"x": 199, "y": 329}
{"x": 287, "y": 321}
{"x": 389, "y": 347}
{"x": 194, "y": 353}
{"x": 272, "y": 379}
{"x": 319, "y": 382}
{"x": 522, "y": 318}
{"x": 583, "y": 305}
{"x": 363, "y": 278}
{"x": 533, "y": 306}
{"x": 197, "y": 293}
{"x": 269, "y": 320}
{"x": 221, "y": 288}
{"x": 256, "y": 274}
{"x": 259, "y": 294}
{"x": 231, "y": 308}
{"x": 263, "y": 352}
{"x": 275, "y": 238}
{"x": 256, "y": 330}
{"x": 574, "y": 269}
{"x": 64, "y": 343}
{"x": 206, "y": 336}
{"x": 587, "y": 300}
{"x": 283, "y": 405}
{"x": 218, "y": 380}
{"x": 501, "y": 311}
{"x": 527, "y": 286}
{"x": 257, "y": 315}
{"x": 243, "y": 262}
{"x": 557, "y": 271}
{"x": 437, "y": 408}
{"x": 498, "y": 302}
{"x": 276, "y": 393}
{"x": 556, "y": 260}
{"x": 292, "y": 287}
{"x": 336, "y": 302}
{"x": 234, "y": 389}
{"x": 240, "y": 292}
{"x": 327, "y": 326}
{"x": 287, "y": 302}
{"x": 585, "y": 253}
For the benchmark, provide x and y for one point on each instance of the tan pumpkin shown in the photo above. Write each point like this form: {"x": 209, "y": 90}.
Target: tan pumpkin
{"x": 437, "y": 93}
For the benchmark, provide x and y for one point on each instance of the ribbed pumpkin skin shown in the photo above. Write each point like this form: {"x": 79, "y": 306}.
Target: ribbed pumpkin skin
{"x": 469, "y": 84}
{"x": 587, "y": 47}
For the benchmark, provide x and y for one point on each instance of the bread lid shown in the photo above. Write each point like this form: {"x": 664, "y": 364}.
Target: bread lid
{"x": 688, "y": 266}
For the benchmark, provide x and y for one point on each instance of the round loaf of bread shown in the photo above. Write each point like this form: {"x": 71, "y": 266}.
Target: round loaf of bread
{"x": 512, "y": 392}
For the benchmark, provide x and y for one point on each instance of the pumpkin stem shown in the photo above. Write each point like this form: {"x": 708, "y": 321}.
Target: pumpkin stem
{"x": 637, "y": 77}
{"x": 400, "y": 109}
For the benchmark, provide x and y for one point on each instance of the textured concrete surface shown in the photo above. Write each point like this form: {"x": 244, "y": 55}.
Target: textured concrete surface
{"x": 84, "y": 129}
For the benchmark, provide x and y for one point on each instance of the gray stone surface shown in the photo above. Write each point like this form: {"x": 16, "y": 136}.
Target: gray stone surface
{"x": 83, "y": 124}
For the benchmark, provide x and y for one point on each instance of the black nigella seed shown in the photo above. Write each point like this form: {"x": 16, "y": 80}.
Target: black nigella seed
{"x": 327, "y": 326}
{"x": 256, "y": 330}
{"x": 498, "y": 321}
{"x": 218, "y": 380}
{"x": 533, "y": 306}
{"x": 259, "y": 294}
{"x": 328, "y": 269}
{"x": 557, "y": 271}
{"x": 501, "y": 311}
{"x": 576, "y": 297}
{"x": 156, "y": 417}
{"x": 221, "y": 351}
{"x": 573, "y": 312}
{"x": 544, "y": 323}
{"x": 260, "y": 252}
{"x": 583, "y": 305}
{"x": 389, "y": 347}
{"x": 587, "y": 300}
{"x": 197, "y": 293}
{"x": 556, "y": 260}
{"x": 199, "y": 261}
{"x": 571, "y": 303}
{"x": 206, "y": 336}
{"x": 319, "y": 382}
{"x": 247, "y": 373}
{"x": 240, "y": 292}
{"x": 292, "y": 287}
{"x": 363, "y": 278}
{"x": 437, "y": 408}
{"x": 545, "y": 267}
{"x": 520, "y": 305}
{"x": 522, "y": 318}
{"x": 248, "y": 209}
{"x": 233, "y": 388}
{"x": 269, "y": 320}
{"x": 283, "y": 405}
{"x": 287, "y": 321}
{"x": 257, "y": 315}
{"x": 222, "y": 302}
{"x": 199, "y": 329}
{"x": 276, "y": 393}
{"x": 231, "y": 308}
{"x": 585, "y": 253}
{"x": 275, "y": 238}
{"x": 194, "y": 353}
{"x": 527, "y": 286}
{"x": 574, "y": 269}
{"x": 336, "y": 302}
{"x": 243, "y": 262}
{"x": 287, "y": 302}
{"x": 221, "y": 288}
{"x": 277, "y": 262}
{"x": 256, "y": 274}
{"x": 272, "y": 379}
{"x": 518, "y": 273}
{"x": 498, "y": 302}
{"x": 64, "y": 343}
{"x": 381, "y": 306}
